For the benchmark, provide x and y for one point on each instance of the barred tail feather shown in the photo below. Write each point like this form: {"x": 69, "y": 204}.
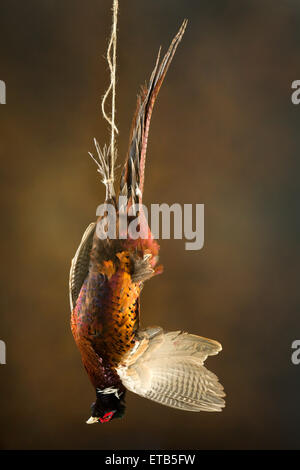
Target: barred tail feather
{"x": 132, "y": 178}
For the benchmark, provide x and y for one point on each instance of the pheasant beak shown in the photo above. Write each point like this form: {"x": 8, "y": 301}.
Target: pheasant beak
{"x": 92, "y": 420}
{"x": 105, "y": 419}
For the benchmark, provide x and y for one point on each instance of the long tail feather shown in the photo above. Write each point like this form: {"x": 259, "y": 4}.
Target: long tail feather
{"x": 132, "y": 178}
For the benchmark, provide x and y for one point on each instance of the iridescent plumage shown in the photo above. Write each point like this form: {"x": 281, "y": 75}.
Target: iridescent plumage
{"x": 106, "y": 279}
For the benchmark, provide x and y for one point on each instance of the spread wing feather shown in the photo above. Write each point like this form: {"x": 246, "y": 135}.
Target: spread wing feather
{"x": 168, "y": 368}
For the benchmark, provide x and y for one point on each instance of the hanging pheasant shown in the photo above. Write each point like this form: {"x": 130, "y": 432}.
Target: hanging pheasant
{"x": 106, "y": 279}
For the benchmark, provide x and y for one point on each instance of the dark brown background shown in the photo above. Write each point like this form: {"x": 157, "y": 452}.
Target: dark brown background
{"x": 224, "y": 133}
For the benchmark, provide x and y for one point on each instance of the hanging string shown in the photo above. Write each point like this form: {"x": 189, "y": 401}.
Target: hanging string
{"x": 112, "y": 62}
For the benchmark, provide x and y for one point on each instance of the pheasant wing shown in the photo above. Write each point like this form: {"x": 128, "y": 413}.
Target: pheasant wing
{"x": 80, "y": 264}
{"x": 168, "y": 368}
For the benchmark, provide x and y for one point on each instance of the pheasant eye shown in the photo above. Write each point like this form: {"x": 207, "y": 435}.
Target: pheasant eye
{"x": 107, "y": 417}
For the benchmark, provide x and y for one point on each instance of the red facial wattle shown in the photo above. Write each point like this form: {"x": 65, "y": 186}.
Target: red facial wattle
{"x": 107, "y": 417}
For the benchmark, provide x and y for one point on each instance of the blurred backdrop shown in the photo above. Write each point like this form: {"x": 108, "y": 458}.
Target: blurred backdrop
{"x": 224, "y": 133}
